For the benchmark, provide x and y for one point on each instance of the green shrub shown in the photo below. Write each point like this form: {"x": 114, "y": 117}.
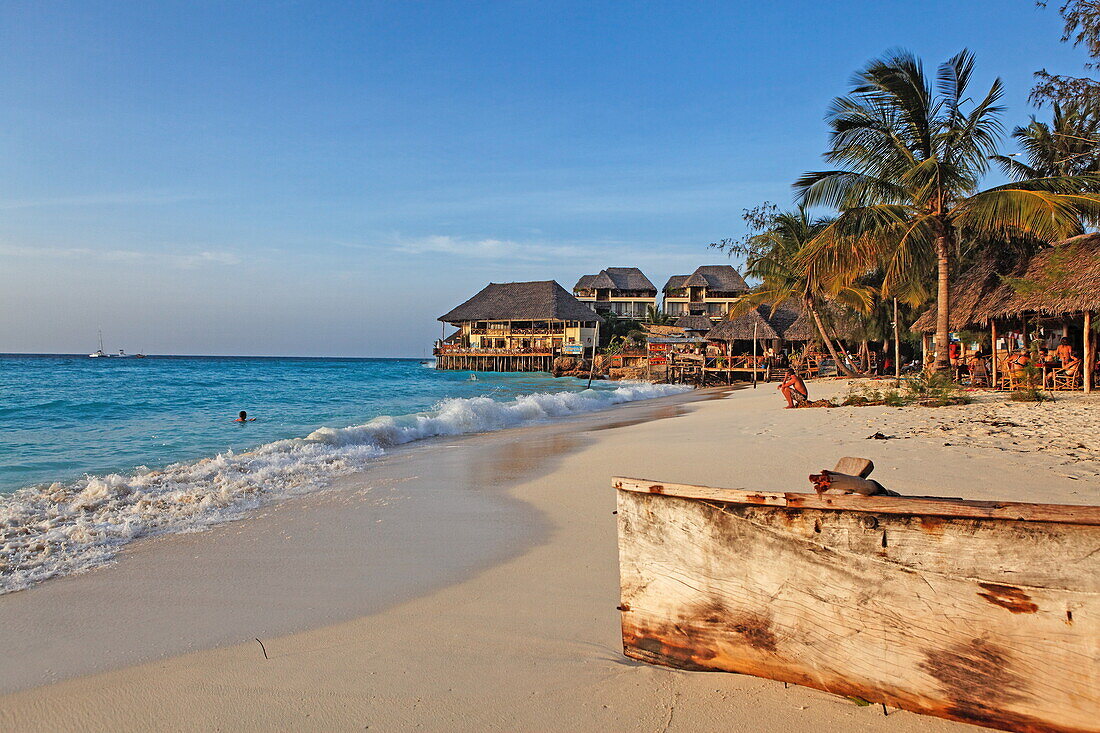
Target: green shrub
{"x": 929, "y": 389}
{"x": 1029, "y": 394}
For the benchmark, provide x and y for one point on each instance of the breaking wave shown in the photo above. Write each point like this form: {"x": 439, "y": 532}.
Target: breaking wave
{"x": 67, "y": 528}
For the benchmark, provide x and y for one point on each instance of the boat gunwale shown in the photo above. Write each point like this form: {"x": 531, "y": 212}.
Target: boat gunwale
{"x": 1078, "y": 514}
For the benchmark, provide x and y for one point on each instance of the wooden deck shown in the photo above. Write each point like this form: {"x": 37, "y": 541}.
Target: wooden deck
{"x": 494, "y": 360}
{"x": 982, "y": 612}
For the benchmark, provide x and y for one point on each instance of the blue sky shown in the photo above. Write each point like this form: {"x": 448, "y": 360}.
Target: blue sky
{"x": 325, "y": 178}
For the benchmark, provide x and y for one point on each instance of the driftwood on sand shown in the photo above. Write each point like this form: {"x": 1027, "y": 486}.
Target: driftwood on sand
{"x": 981, "y": 612}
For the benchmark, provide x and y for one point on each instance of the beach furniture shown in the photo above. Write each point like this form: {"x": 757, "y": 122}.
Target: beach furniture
{"x": 981, "y": 612}
{"x": 1065, "y": 379}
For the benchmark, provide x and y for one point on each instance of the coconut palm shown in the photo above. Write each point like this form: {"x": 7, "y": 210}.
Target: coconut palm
{"x": 655, "y": 317}
{"x": 775, "y": 256}
{"x": 909, "y": 193}
{"x": 1068, "y": 146}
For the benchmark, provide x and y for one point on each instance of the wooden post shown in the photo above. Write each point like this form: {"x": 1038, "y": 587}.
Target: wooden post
{"x": 897, "y": 345}
{"x": 754, "y": 332}
{"x": 993, "y": 331}
{"x": 1088, "y": 360}
{"x": 592, "y": 366}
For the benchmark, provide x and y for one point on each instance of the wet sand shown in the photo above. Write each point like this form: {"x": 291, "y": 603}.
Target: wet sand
{"x": 427, "y": 515}
{"x": 525, "y": 637}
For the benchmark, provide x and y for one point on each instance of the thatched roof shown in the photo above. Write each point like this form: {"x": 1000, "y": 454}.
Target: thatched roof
{"x": 1058, "y": 280}
{"x": 616, "y": 278}
{"x": 788, "y": 320}
{"x": 655, "y": 330}
{"x": 802, "y": 328}
{"x": 783, "y": 317}
{"x": 785, "y": 320}
{"x": 720, "y": 278}
{"x": 530, "y": 301}
{"x": 742, "y": 328}
{"x": 694, "y": 323}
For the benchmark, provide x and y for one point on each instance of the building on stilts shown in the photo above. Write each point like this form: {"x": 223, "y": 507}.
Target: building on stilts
{"x": 516, "y": 327}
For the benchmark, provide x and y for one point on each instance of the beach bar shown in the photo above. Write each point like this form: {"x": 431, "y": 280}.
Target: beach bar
{"x": 1051, "y": 295}
{"x": 517, "y": 327}
{"x": 982, "y": 612}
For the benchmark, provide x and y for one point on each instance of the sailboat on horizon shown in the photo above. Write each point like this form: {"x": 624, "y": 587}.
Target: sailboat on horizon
{"x": 100, "y": 352}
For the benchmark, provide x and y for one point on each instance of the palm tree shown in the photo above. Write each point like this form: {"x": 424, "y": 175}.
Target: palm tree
{"x": 654, "y": 317}
{"x": 776, "y": 257}
{"x": 914, "y": 159}
{"x": 1068, "y": 146}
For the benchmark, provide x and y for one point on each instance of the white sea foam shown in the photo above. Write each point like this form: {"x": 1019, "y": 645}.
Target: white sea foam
{"x": 67, "y": 528}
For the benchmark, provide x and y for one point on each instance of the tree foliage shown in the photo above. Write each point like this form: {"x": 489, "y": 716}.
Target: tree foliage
{"x": 1081, "y": 27}
{"x": 1068, "y": 146}
{"x": 913, "y": 153}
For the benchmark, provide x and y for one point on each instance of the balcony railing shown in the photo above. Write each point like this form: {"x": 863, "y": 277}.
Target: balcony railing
{"x": 517, "y": 332}
{"x": 473, "y": 351}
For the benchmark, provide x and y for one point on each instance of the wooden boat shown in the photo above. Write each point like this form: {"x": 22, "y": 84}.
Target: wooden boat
{"x": 982, "y": 612}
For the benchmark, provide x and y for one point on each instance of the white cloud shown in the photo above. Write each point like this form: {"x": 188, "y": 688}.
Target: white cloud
{"x": 189, "y": 260}
{"x": 487, "y": 249}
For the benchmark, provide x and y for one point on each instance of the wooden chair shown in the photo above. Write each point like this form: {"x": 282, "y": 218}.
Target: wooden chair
{"x": 979, "y": 376}
{"x": 1066, "y": 380}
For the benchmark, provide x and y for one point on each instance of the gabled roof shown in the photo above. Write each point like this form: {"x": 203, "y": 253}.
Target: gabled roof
{"x": 676, "y": 281}
{"x": 586, "y": 282}
{"x": 616, "y": 278}
{"x": 721, "y": 278}
{"x": 694, "y": 323}
{"x": 528, "y": 301}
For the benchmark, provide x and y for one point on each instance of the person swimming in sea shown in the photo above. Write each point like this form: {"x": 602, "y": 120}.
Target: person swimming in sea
{"x": 243, "y": 417}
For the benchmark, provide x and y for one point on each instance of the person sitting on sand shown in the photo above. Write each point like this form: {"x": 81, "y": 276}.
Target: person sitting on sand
{"x": 243, "y": 417}
{"x": 794, "y": 389}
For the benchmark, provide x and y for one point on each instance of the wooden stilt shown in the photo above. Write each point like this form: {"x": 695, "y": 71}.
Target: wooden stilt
{"x": 1089, "y": 356}
{"x": 993, "y": 336}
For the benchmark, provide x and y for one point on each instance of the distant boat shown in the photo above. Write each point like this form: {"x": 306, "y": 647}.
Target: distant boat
{"x": 100, "y": 352}
{"x": 122, "y": 353}
{"x": 139, "y": 355}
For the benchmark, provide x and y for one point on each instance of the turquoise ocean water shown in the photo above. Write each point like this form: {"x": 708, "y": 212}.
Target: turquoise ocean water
{"x": 97, "y": 452}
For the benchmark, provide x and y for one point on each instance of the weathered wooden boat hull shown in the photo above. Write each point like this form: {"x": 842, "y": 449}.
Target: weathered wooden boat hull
{"x": 986, "y": 613}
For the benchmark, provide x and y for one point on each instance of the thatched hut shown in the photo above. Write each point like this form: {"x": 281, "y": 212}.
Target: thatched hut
{"x": 750, "y": 325}
{"x": 1053, "y": 290}
{"x": 787, "y": 322}
{"x": 694, "y": 325}
{"x": 519, "y": 326}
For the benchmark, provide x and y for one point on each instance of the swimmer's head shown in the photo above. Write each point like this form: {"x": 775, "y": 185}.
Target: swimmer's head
{"x": 243, "y": 415}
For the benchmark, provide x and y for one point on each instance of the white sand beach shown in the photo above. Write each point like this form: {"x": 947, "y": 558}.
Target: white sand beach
{"x": 503, "y": 618}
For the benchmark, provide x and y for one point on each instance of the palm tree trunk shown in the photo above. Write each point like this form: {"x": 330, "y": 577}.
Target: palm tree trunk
{"x": 943, "y": 320}
{"x": 829, "y": 343}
